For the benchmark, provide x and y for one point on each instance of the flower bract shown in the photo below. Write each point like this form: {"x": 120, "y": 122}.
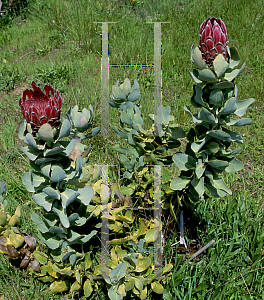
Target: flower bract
{"x": 213, "y": 39}
{"x": 40, "y": 107}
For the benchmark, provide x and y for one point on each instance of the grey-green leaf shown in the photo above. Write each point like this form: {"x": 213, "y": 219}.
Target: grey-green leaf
{"x": 57, "y": 174}
{"x": 65, "y": 129}
{"x": 179, "y": 184}
{"x": 184, "y": 162}
{"x": 242, "y": 106}
{"x": 230, "y": 106}
{"x": 207, "y": 76}
{"x": 118, "y": 272}
{"x": 43, "y": 200}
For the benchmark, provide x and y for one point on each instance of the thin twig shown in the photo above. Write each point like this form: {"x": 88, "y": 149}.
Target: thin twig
{"x": 201, "y": 250}
{"x": 243, "y": 273}
{"x": 245, "y": 283}
{"x": 22, "y": 57}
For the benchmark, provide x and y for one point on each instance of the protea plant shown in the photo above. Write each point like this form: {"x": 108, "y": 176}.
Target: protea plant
{"x": 213, "y": 39}
{"x": 41, "y": 108}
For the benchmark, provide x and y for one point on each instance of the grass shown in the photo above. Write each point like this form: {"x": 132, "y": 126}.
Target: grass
{"x": 57, "y": 42}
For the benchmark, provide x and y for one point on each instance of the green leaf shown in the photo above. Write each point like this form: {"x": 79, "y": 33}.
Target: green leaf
{"x": 28, "y": 182}
{"x": 45, "y": 132}
{"x": 235, "y": 59}
{"x": 41, "y": 257}
{"x": 220, "y": 135}
{"x": 32, "y": 153}
{"x": 43, "y": 200}
{"x": 139, "y": 283}
{"x": 149, "y": 237}
{"x": 114, "y": 294}
{"x": 44, "y": 160}
{"x": 220, "y": 184}
{"x": 230, "y": 106}
{"x": 234, "y": 73}
{"x": 215, "y": 192}
{"x": 194, "y": 78}
{"x": 51, "y": 242}
{"x": 30, "y": 141}
{"x": 220, "y": 65}
{"x": 195, "y": 120}
{"x": 21, "y": 129}
{"x": 86, "y": 194}
{"x": 216, "y": 98}
{"x": 177, "y": 133}
{"x": 213, "y": 147}
{"x": 207, "y": 76}
{"x": 45, "y": 169}
{"x": 57, "y": 149}
{"x": 234, "y": 166}
{"x": 73, "y": 258}
{"x": 184, "y": 162}
{"x": 87, "y": 288}
{"x": 135, "y": 95}
{"x": 118, "y": 272}
{"x": 223, "y": 85}
{"x": 242, "y": 106}
{"x": 86, "y": 113}
{"x": 125, "y": 190}
{"x": 125, "y": 118}
{"x": 241, "y": 122}
{"x": 199, "y": 186}
{"x": 163, "y": 115}
{"x": 179, "y": 184}
{"x": 198, "y": 98}
{"x": 135, "y": 86}
{"x": 197, "y": 59}
{"x": 206, "y": 116}
{"x": 68, "y": 196}
{"x": 126, "y": 86}
{"x": 220, "y": 165}
{"x": 236, "y": 137}
{"x": 87, "y": 237}
{"x": 199, "y": 170}
{"x": 118, "y": 93}
{"x": 61, "y": 212}
{"x": 55, "y": 194}
{"x": 65, "y": 129}
{"x": 40, "y": 223}
{"x": 69, "y": 147}
{"x": 57, "y": 174}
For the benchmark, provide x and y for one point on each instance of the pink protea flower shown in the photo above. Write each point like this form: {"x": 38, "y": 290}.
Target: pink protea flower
{"x": 213, "y": 39}
{"x": 41, "y": 108}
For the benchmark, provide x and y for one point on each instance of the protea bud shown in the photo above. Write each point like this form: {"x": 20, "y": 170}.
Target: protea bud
{"x": 41, "y": 108}
{"x": 213, "y": 39}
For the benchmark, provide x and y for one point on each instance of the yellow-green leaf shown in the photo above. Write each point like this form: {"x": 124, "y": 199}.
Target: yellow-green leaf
{"x": 129, "y": 285}
{"x": 144, "y": 293}
{"x": 167, "y": 268}
{"x": 157, "y": 287}
{"x": 87, "y": 288}
{"x": 149, "y": 237}
{"x": 142, "y": 264}
{"x": 75, "y": 287}
{"x": 88, "y": 261}
{"x": 58, "y": 287}
{"x": 122, "y": 290}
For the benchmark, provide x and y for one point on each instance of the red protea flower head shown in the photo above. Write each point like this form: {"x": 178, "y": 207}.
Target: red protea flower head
{"x": 41, "y": 108}
{"x": 213, "y": 39}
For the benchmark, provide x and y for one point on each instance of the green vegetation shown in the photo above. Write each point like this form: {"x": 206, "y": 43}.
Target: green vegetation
{"x": 56, "y": 42}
